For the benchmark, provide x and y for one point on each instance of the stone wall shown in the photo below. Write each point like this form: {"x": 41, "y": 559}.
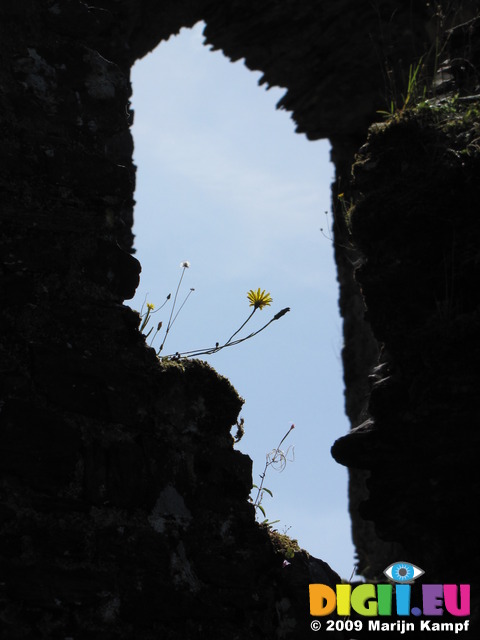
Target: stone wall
{"x": 124, "y": 507}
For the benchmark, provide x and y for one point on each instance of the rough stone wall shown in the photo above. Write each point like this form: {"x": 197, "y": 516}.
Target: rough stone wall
{"x": 124, "y": 507}
{"x": 415, "y": 220}
{"x": 413, "y": 215}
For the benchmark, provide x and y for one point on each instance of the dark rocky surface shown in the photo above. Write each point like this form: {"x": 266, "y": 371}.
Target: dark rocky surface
{"x": 415, "y": 220}
{"x": 123, "y": 505}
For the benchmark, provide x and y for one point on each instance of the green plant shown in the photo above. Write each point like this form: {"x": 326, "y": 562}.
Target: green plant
{"x": 440, "y": 106}
{"x": 413, "y": 92}
{"x": 433, "y": 73}
{"x": 185, "y": 265}
{"x": 146, "y": 316}
{"x": 346, "y": 208}
{"x": 413, "y": 85}
{"x": 282, "y": 543}
{"x": 277, "y": 459}
{"x": 258, "y": 299}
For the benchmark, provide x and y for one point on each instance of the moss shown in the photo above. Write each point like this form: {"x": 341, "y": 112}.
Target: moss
{"x": 451, "y": 115}
{"x": 169, "y": 363}
{"x": 282, "y": 543}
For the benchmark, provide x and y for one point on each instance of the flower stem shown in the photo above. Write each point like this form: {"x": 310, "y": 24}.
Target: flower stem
{"x": 270, "y": 460}
{"x": 150, "y": 312}
{"x": 173, "y": 309}
{"x": 182, "y": 305}
{"x": 241, "y": 327}
{"x": 229, "y": 343}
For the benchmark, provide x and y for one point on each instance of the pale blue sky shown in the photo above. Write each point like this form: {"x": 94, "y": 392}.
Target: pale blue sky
{"x": 225, "y": 183}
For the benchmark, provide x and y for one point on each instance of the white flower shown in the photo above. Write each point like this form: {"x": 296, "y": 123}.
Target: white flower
{"x": 185, "y": 264}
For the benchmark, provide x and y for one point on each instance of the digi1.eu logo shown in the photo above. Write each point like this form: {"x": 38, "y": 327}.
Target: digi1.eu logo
{"x": 391, "y": 599}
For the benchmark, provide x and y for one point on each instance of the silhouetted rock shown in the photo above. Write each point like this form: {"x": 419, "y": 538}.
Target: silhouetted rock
{"x": 124, "y": 508}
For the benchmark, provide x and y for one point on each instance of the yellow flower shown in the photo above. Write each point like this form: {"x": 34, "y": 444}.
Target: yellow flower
{"x": 150, "y": 306}
{"x": 259, "y": 299}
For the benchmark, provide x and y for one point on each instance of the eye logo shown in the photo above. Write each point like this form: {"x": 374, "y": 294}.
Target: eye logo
{"x": 378, "y": 599}
{"x": 403, "y": 572}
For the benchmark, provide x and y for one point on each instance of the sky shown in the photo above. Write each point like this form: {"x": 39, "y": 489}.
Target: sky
{"x": 225, "y": 183}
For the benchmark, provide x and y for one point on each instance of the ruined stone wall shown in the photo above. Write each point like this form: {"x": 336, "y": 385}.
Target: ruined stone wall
{"x": 415, "y": 220}
{"x": 123, "y": 507}
{"x": 413, "y": 214}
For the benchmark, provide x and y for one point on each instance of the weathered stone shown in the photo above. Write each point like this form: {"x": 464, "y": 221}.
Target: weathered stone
{"x": 124, "y": 509}
{"x": 415, "y": 222}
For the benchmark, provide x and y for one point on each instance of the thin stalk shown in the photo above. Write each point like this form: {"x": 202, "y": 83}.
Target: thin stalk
{"x": 229, "y": 343}
{"x": 173, "y": 309}
{"x": 150, "y": 312}
{"x": 145, "y": 321}
{"x": 159, "y": 326}
{"x": 241, "y": 327}
{"x": 268, "y": 462}
{"x": 182, "y": 305}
